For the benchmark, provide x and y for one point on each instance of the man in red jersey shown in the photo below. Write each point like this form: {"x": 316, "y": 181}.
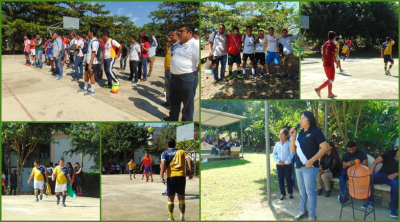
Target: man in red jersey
{"x": 147, "y": 160}
{"x": 329, "y": 57}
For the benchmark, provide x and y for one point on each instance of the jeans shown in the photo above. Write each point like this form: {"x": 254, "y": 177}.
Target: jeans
{"x": 182, "y": 92}
{"x": 108, "y": 66}
{"x": 342, "y": 183}
{"x": 293, "y": 175}
{"x": 144, "y": 66}
{"x": 195, "y": 83}
{"x": 59, "y": 67}
{"x": 140, "y": 66}
{"x": 122, "y": 60}
{"x": 167, "y": 75}
{"x": 285, "y": 172}
{"x": 78, "y": 64}
{"x": 39, "y": 58}
{"x": 133, "y": 66}
{"x": 222, "y": 59}
{"x": 381, "y": 178}
{"x": 306, "y": 179}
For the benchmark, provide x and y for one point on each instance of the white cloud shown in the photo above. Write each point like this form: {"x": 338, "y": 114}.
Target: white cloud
{"x": 120, "y": 10}
{"x": 129, "y": 15}
{"x": 134, "y": 19}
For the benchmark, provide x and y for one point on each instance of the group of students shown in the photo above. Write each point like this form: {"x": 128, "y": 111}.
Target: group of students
{"x": 97, "y": 54}
{"x": 219, "y": 146}
{"x": 62, "y": 175}
{"x": 317, "y": 162}
{"x": 260, "y": 49}
{"x": 330, "y": 56}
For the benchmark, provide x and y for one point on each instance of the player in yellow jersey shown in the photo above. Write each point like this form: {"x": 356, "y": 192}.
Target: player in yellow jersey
{"x": 345, "y": 48}
{"x": 386, "y": 54}
{"x": 173, "y": 161}
{"x": 132, "y": 169}
{"x": 336, "y": 42}
{"x": 60, "y": 175}
{"x": 39, "y": 174}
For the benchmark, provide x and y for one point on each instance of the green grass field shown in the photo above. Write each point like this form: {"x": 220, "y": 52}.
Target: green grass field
{"x": 231, "y": 187}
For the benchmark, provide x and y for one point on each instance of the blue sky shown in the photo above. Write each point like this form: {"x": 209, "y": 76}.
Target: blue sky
{"x": 138, "y": 12}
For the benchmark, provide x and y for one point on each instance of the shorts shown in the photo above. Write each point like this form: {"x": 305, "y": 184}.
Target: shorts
{"x": 344, "y": 53}
{"x": 33, "y": 52}
{"x": 38, "y": 184}
{"x": 176, "y": 185}
{"x": 61, "y": 187}
{"x": 250, "y": 56}
{"x": 48, "y": 56}
{"x": 147, "y": 169}
{"x": 234, "y": 58}
{"x": 330, "y": 72}
{"x": 387, "y": 58}
{"x": 337, "y": 57}
{"x": 26, "y": 53}
{"x": 272, "y": 57}
{"x": 349, "y": 48}
{"x": 131, "y": 171}
{"x": 95, "y": 68}
{"x": 260, "y": 58}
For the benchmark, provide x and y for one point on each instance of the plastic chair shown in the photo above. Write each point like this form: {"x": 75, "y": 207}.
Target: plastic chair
{"x": 360, "y": 186}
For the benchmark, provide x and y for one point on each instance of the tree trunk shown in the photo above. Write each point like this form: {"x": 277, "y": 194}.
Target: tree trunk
{"x": 82, "y": 160}
{"x": 9, "y": 163}
{"x": 358, "y": 118}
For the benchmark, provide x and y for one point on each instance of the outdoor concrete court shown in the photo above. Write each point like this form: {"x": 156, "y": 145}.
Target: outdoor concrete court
{"x": 363, "y": 78}
{"x": 124, "y": 199}
{"x": 31, "y": 94}
{"x": 25, "y": 207}
{"x": 328, "y": 208}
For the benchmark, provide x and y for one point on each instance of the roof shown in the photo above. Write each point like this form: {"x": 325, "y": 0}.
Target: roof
{"x": 216, "y": 118}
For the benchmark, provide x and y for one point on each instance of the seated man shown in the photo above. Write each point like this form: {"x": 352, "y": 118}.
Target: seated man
{"x": 388, "y": 174}
{"x": 348, "y": 160}
{"x": 237, "y": 143}
{"x": 228, "y": 147}
{"x": 214, "y": 148}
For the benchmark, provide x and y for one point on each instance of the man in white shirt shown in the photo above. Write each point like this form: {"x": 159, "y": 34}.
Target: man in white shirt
{"x": 134, "y": 57}
{"x": 92, "y": 64}
{"x": 218, "y": 47}
{"x": 260, "y": 50}
{"x": 78, "y": 66}
{"x": 249, "y": 42}
{"x": 287, "y": 58}
{"x": 71, "y": 53}
{"x": 183, "y": 67}
{"x": 272, "y": 52}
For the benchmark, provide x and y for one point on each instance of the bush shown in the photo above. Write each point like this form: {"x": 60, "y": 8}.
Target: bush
{"x": 91, "y": 184}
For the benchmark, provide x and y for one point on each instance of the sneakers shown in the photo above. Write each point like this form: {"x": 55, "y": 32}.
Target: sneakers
{"x": 328, "y": 193}
{"x": 182, "y": 219}
{"x": 134, "y": 177}
{"x": 107, "y": 86}
{"x": 239, "y": 76}
{"x": 59, "y": 78}
{"x": 229, "y": 77}
{"x": 319, "y": 192}
{"x": 58, "y": 201}
{"x": 394, "y": 214}
{"x": 82, "y": 90}
{"x": 368, "y": 206}
{"x": 134, "y": 82}
{"x": 388, "y": 72}
{"x": 63, "y": 204}
{"x": 37, "y": 199}
{"x": 318, "y": 92}
{"x": 344, "y": 200}
{"x": 332, "y": 96}
{"x": 171, "y": 219}
{"x": 41, "y": 197}
{"x": 90, "y": 93}
{"x": 130, "y": 178}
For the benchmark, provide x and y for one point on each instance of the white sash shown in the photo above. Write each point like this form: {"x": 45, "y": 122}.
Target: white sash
{"x": 299, "y": 152}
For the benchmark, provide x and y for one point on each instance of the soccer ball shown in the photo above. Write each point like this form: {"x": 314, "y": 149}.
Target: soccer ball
{"x": 150, "y": 129}
{"x": 115, "y": 89}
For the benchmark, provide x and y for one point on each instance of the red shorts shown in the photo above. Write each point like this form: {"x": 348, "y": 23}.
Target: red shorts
{"x": 330, "y": 72}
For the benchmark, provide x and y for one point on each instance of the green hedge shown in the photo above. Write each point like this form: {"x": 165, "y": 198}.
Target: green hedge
{"x": 91, "y": 184}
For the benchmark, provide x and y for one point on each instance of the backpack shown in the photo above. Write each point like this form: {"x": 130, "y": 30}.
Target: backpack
{"x": 244, "y": 38}
{"x": 100, "y": 51}
{"x": 85, "y": 48}
{"x": 72, "y": 48}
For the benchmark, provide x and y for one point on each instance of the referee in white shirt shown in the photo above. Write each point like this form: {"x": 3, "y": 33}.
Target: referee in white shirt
{"x": 183, "y": 69}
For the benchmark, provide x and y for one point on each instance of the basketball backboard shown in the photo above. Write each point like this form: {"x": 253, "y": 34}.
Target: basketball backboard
{"x": 70, "y": 22}
{"x": 185, "y": 132}
{"x": 305, "y": 22}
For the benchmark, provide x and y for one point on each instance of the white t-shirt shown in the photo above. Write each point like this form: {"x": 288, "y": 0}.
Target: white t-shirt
{"x": 93, "y": 47}
{"x": 185, "y": 58}
{"x": 219, "y": 43}
{"x": 134, "y": 49}
{"x": 153, "y": 47}
{"x": 109, "y": 51}
{"x": 272, "y": 43}
{"x": 249, "y": 43}
{"x": 260, "y": 46}
{"x": 73, "y": 41}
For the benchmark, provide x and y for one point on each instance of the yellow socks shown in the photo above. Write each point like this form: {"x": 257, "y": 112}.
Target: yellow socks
{"x": 171, "y": 210}
{"x": 182, "y": 207}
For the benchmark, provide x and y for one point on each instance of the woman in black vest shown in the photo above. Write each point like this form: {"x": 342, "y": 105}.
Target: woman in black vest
{"x": 310, "y": 145}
